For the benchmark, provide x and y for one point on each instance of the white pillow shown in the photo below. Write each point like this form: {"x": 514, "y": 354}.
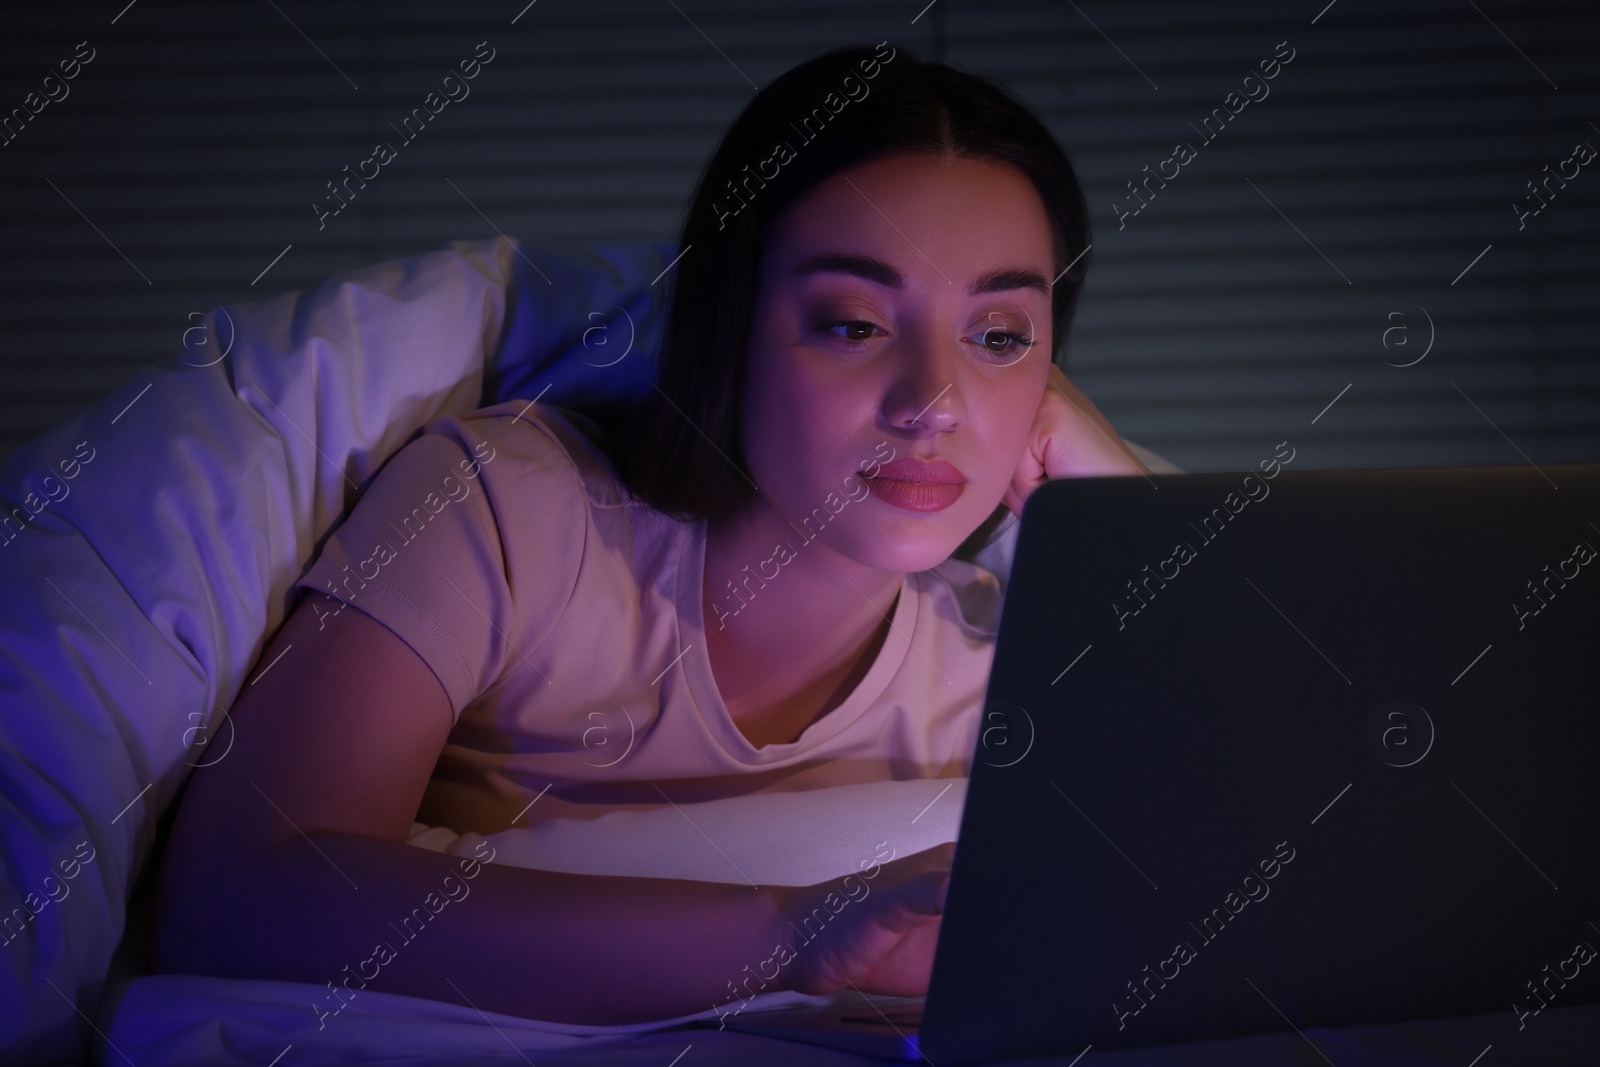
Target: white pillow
{"x": 795, "y": 838}
{"x": 156, "y": 540}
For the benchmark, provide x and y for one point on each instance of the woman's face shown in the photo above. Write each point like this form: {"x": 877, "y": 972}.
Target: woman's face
{"x": 869, "y": 345}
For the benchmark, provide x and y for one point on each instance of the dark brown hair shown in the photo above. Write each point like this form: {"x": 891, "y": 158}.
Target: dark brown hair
{"x": 680, "y": 452}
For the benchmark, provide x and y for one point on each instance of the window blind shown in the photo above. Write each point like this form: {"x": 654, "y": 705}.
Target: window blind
{"x": 1330, "y": 224}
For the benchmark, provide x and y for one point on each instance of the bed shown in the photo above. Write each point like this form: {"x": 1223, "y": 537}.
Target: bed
{"x": 148, "y": 550}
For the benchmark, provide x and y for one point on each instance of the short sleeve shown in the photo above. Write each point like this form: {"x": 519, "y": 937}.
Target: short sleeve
{"x": 466, "y": 545}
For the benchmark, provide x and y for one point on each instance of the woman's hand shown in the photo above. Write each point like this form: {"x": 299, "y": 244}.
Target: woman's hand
{"x": 1070, "y": 438}
{"x": 881, "y": 942}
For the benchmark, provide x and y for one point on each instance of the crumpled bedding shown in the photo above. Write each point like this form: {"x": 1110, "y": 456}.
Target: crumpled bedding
{"x": 172, "y": 1020}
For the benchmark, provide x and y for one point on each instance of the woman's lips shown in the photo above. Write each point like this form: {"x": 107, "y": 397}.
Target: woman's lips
{"x": 917, "y": 485}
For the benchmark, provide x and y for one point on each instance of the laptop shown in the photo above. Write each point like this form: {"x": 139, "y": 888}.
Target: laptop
{"x": 1303, "y": 749}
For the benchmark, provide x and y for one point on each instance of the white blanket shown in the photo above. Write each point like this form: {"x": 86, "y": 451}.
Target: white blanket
{"x": 781, "y": 839}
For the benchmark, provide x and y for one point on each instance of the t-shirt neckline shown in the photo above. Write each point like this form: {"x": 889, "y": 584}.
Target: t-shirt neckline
{"x": 696, "y": 662}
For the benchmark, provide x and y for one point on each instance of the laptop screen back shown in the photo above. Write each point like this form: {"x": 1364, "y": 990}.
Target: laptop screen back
{"x": 1309, "y": 749}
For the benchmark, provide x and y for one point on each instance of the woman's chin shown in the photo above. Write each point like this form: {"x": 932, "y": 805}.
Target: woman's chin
{"x": 906, "y": 550}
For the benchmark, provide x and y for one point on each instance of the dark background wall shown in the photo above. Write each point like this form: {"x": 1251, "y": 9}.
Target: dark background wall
{"x": 1373, "y": 190}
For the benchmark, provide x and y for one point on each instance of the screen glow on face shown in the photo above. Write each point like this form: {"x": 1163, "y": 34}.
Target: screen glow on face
{"x": 902, "y": 304}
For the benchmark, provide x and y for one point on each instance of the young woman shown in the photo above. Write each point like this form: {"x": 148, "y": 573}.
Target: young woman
{"x": 754, "y": 585}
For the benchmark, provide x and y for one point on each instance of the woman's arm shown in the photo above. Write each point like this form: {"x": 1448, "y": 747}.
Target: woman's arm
{"x": 288, "y": 860}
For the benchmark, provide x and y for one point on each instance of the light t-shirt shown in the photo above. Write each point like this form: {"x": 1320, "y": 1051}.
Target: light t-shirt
{"x": 564, "y": 621}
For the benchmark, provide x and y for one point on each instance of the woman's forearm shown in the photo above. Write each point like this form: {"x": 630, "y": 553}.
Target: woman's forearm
{"x": 356, "y": 913}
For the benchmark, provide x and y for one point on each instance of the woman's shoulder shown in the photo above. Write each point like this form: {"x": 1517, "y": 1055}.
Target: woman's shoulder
{"x": 541, "y": 439}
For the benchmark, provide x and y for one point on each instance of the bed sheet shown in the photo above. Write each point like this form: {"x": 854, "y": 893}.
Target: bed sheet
{"x": 240, "y": 1022}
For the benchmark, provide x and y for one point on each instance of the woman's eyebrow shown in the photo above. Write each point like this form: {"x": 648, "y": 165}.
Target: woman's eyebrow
{"x": 876, "y": 270}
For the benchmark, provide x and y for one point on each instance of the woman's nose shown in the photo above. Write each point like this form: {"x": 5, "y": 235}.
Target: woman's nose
{"x": 926, "y": 393}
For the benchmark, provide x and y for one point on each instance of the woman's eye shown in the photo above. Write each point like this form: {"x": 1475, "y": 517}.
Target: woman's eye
{"x": 850, "y": 326}
{"x": 1005, "y": 342}
{"x": 996, "y": 342}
